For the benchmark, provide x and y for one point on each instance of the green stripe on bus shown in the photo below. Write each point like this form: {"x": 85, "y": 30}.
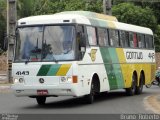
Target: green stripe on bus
{"x": 53, "y": 70}
{"x": 116, "y": 67}
{"x": 43, "y": 70}
{"x": 109, "y": 67}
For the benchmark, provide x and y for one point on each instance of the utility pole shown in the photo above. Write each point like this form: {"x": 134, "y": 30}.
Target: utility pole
{"x": 107, "y": 7}
{"x": 11, "y": 26}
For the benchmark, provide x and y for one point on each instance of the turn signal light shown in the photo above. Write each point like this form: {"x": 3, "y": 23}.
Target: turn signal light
{"x": 74, "y": 79}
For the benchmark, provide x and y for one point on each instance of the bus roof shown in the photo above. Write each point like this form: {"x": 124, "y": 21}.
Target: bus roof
{"x": 83, "y": 17}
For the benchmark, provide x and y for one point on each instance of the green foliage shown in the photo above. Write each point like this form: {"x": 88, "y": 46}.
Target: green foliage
{"x": 157, "y": 39}
{"x": 129, "y": 13}
{"x": 38, "y": 7}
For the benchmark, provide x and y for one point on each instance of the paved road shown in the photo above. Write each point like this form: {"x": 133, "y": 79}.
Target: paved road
{"x": 114, "y": 102}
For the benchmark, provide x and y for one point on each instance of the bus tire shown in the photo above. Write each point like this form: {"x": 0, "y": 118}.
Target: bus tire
{"x": 139, "y": 88}
{"x": 131, "y": 91}
{"x": 41, "y": 100}
{"x": 90, "y": 97}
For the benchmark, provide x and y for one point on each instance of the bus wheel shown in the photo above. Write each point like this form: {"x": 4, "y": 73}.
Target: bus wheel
{"x": 90, "y": 97}
{"x": 131, "y": 91}
{"x": 139, "y": 88}
{"x": 41, "y": 100}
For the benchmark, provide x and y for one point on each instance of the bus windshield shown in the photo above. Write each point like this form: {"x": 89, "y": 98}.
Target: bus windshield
{"x": 45, "y": 43}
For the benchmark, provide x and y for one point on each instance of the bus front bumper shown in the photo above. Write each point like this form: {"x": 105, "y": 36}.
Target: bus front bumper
{"x": 49, "y": 90}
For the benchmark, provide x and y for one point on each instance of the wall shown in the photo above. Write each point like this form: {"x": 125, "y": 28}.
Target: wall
{"x": 158, "y": 59}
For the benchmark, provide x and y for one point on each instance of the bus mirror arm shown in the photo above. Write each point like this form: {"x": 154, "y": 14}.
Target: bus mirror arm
{"x": 83, "y": 49}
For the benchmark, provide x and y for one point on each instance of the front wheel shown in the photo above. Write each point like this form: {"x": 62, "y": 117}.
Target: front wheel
{"x": 41, "y": 100}
{"x": 90, "y": 97}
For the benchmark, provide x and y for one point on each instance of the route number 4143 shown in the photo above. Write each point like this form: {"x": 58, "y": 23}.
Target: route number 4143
{"x": 22, "y": 73}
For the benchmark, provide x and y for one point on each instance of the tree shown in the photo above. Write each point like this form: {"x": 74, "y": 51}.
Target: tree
{"x": 38, "y": 7}
{"x": 129, "y": 13}
{"x": 157, "y": 39}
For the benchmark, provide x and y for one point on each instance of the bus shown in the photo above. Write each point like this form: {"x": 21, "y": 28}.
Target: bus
{"x": 80, "y": 54}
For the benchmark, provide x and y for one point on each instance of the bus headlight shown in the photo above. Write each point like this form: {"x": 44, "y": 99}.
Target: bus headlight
{"x": 21, "y": 80}
{"x": 69, "y": 79}
{"x": 65, "y": 79}
{"x": 18, "y": 80}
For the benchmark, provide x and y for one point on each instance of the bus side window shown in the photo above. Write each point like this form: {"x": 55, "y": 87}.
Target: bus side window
{"x": 106, "y": 37}
{"x": 131, "y": 39}
{"x": 127, "y": 39}
{"x": 113, "y": 37}
{"x": 91, "y": 32}
{"x": 149, "y": 41}
{"x": 141, "y": 40}
{"x": 122, "y": 38}
{"x": 102, "y": 37}
{"x": 135, "y": 40}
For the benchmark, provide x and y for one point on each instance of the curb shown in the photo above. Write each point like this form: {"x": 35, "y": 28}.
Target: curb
{"x": 153, "y": 103}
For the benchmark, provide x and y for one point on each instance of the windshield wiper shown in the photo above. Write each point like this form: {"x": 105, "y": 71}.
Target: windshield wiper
{"x": 27, "y": 60}
{"x": 67, "y": 51}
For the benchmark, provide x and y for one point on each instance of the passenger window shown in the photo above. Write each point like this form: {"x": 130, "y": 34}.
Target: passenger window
{"x": 91, "y": 32}
{"x": 131, "y": 39}
{"x": 149, "y": 41}
{"x": 127, "y": 39}
{"x": 113, "y": 37}
{"x": 123, "y": 39}
{"x": 102, "y": 37}
{"x": 141, "y": 40}
{"x": 135, "y": 40}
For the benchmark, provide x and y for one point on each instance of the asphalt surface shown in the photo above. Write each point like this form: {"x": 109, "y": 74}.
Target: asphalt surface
{"x": 115, "y": 102}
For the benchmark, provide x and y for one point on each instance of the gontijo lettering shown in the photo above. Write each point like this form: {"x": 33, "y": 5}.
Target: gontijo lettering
{"x": 134, "y": 55}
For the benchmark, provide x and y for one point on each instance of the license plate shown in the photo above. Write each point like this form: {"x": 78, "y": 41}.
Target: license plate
{"x": 42, "y": 92}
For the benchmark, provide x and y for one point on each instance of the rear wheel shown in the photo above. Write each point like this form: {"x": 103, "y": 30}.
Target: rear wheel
{"x": 139, "y": 88}
{"x": 131, "y": 91}
{"x": 41, "y": 100}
